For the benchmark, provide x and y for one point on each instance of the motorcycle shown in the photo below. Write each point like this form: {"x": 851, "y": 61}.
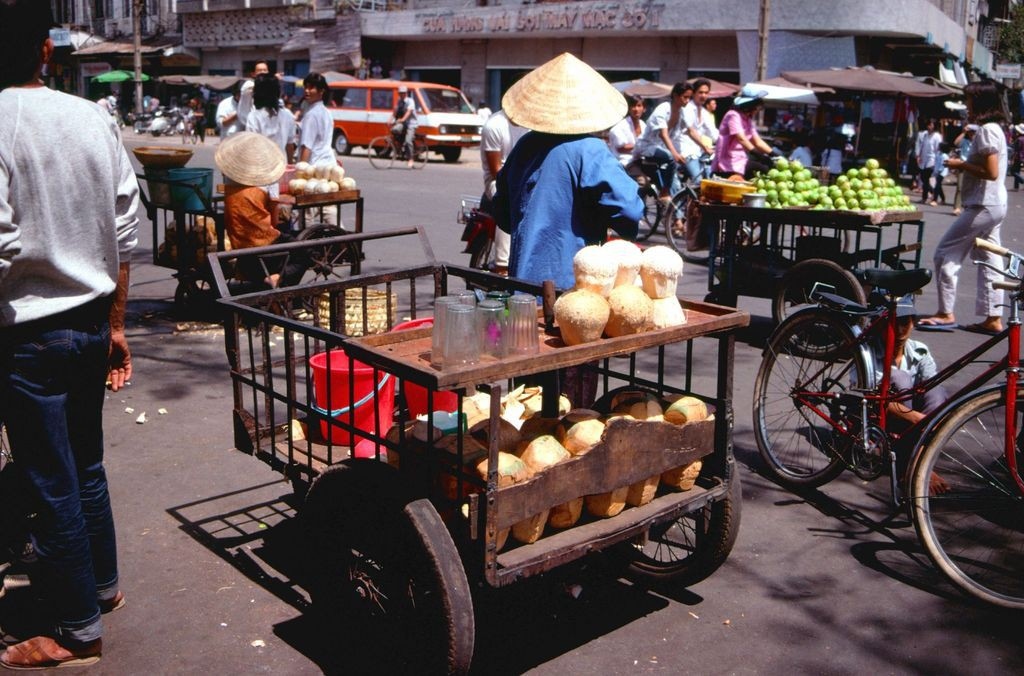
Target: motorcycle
{"x": 477, "y": 233}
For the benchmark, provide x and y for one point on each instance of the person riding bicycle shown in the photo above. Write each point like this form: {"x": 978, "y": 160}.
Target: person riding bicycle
{"x": 661, "y": 140}
{"x": 700, "y": 125}
{"x": 739, "y": 144}
{"x": 404, "y": 122}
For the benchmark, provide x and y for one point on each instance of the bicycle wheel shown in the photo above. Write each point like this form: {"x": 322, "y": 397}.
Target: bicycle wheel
{"x": 381, "y": 152}
{"x": 674, "y": 221}
{"x": 652, "y": 212}
{"x": 967, "y": 509}
{"x": 810, "y": 362}
{"x": 419, "y": 154}
{"x": 794, "y": 289}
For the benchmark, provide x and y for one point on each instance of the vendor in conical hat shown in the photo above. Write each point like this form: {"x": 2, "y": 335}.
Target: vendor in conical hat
{"x": 561, "y": 188}
{"x": 249, "y": 162}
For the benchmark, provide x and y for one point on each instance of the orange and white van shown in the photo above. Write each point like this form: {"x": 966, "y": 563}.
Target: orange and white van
{"x": 361, "y": 110}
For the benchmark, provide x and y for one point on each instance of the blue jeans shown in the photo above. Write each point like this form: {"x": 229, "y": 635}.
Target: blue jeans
{"x": 52, "y": 381}
{"x": 667, "y": 175}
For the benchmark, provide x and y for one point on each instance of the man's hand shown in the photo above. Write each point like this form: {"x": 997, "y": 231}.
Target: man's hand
{"x": 119, "y": 361}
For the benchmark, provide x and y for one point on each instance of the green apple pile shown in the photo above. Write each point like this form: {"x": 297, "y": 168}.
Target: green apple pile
{"x": 868, "y": 188}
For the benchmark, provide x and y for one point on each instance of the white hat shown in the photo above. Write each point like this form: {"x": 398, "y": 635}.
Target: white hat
{"x": 1019, "y": 128}
{"x": 974, "y": 127}
{"x": 564, "y": 96}
{"x": 250, "y": 159}
{"x": 402, "y": 88}
{"x": 748, "y": 94}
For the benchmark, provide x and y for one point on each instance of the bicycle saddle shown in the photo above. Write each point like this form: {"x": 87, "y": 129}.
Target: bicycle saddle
{"x": 898, "y": 282}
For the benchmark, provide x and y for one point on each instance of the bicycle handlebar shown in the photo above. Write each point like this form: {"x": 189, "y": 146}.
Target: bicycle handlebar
{"x": 1006, "y": 286}
{"x": 986, "y": 245}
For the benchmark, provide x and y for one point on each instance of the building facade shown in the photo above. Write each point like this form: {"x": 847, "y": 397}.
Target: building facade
{"x": 482, "y": 46}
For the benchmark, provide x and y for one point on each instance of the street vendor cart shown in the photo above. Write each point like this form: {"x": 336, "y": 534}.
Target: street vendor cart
{"x": 187, "y": 218}
{"x": 411, "y": 490}
{"x": 781, "y": 253}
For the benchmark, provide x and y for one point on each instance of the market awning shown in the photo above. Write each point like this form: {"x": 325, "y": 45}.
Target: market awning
{"x": 786, "y": 94}
{"x": 783, "y": 82}
{"x": 218, "y": 82}
{"x": 103, "y": 48}
{"x": 644, "y": 88}
{"x": 865, "y": 79}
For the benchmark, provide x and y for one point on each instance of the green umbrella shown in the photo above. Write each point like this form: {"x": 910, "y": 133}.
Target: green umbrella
{"x": 119, "y": 76}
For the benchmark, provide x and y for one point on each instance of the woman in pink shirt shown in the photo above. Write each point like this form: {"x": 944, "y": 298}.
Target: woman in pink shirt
{"x": 737, "y": 134}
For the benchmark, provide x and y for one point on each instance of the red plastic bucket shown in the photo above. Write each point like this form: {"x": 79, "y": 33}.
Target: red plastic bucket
{"x": 371, "y": 398}
{"x": 416, "y": 395}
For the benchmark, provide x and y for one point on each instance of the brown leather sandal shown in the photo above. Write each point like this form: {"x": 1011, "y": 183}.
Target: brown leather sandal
{"x": 42, "y": 652}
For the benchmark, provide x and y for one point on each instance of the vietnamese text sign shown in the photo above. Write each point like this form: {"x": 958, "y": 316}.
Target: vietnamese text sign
{"x": 1007, "y": 71}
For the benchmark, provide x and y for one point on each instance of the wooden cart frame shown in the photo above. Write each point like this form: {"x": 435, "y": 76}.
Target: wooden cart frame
{"x": 456, "y": 518}
{"x": 780, "y": 253}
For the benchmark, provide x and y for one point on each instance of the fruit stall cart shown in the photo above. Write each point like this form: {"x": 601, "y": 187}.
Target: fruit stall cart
{"x": 779, "y": 253}
{"x": 407, "y": 500}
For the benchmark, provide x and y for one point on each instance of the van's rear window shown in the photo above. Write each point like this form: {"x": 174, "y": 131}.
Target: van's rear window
{"x": 445, "y": 101}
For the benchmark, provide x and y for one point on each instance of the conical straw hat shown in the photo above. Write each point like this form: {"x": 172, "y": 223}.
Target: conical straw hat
{"x": 564, "y": 96}
{"x": 249, "y": 158}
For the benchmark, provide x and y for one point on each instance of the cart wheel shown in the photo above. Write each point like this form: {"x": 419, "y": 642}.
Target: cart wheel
{"x": 193, "y": 293}
{"x": 387, "y": 580}
{"x": 796, "y": 284}
{"x": 324, "y": 259}
{"x": 690, "y": 548}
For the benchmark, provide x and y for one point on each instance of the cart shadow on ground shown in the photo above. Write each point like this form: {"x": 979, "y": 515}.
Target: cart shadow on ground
{"x": 882, "y": 537}
{"x": 544, "y": 617}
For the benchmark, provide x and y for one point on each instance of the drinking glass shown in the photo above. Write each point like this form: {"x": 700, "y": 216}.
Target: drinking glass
{"x": 522, "y": 325}
{"x": 467, "y": 297}
{"x": 461, "y": 340}
{"x": 441, "y": 304}
{"x": 492, "y": 325}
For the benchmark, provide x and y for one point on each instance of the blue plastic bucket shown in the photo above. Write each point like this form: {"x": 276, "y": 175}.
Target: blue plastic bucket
{"x": 185, "y": 196}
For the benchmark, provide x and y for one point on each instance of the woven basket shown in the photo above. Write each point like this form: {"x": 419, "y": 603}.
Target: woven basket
{"x": 377, "y": 319}
{"x": 160, "y": 157}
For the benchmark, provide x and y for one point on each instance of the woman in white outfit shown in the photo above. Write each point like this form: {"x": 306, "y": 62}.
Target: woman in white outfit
{"x": 984, "y": 199}
{"x": 269, "y": 118}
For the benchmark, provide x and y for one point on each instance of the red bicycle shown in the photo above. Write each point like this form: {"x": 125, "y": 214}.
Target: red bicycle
{"x": 822, "y": 406}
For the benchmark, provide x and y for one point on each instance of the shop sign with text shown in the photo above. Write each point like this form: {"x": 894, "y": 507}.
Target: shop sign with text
{"x": 611, "y": 16}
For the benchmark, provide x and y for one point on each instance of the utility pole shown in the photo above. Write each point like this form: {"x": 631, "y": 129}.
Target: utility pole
{"x": 137, "y": 52}
{"x": 762, "y": 43}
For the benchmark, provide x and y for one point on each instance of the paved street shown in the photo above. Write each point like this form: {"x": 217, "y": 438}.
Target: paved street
{"x": 831, "y": 584}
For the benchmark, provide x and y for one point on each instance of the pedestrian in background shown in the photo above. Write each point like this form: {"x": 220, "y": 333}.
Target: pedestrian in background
{"x": 497, "y": 138}
{"x": 941, "y": 171}
{"x": 68, "y": 202}
{"x": 927, "y": 151}
{"x": 962, "y": 149}
{"x": 984, "y": 210}
{"x": 1017, "y": 155}
{"x": 317, "y": 131}
{"x": 623, "y": 136}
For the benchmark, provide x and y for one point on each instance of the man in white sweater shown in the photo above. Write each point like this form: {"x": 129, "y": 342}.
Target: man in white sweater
{"x": 68, "y": 202}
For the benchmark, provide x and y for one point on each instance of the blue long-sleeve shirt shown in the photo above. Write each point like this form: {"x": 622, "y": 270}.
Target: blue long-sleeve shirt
{"x": 557, "y": 194}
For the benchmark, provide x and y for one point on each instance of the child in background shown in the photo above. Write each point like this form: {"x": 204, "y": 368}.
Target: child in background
{"x": 941, "y": 171}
